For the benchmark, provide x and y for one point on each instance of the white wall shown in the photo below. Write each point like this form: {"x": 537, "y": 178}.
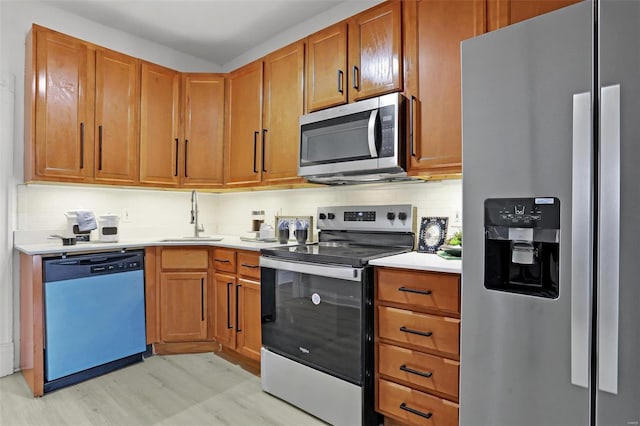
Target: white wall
{"x": 154, "y": 213}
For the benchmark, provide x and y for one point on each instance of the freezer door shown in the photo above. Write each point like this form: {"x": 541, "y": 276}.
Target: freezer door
{"x": 519, "y": 86}
{"x": 618, "y": 321}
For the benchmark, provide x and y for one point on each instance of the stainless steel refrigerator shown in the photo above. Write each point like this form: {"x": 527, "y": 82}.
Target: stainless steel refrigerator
{"x": 551, "y": 220}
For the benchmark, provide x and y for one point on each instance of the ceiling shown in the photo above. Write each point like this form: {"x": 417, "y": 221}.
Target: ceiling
{"x": 215, "y": 30}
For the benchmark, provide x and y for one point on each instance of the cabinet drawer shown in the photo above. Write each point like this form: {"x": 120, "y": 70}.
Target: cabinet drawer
{"x": 224, "y": 260}
{"x": 249, "y": 264}
{"x": 425, "y": 332}
{"x": 417, "y": 368}
{"x": 414, "y": 407}
{"x": 184, "y": 258}
{"x": 429, "y": 290}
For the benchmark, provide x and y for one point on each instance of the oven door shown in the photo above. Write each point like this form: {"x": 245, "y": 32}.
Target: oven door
{"x": 315, "y": 314}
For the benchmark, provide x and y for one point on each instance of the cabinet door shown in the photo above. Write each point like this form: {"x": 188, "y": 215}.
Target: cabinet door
{"x": 244, "y": 126}
{"x": 433, "y": 32}
{"x": 249, "y": 327}
{"x": 116, "y": 120}
{"x": 202, "y": 157}
{"x": 501, "y": 13}
{"x": 183, "y": 306}
{"x": 226, "y": 302}
{"x": 326, "y": 68}
{"x": 159, "y": 125}
{"x": 62, "y": 137}
{"x": 283, "y": 105}
{"x": 375, "y": 52}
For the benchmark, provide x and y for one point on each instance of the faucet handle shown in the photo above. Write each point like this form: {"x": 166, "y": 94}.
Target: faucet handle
{"x": 201, "y": 228}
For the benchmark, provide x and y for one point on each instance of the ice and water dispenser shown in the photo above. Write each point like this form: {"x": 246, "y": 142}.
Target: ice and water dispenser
{"x": 522, "y": 245}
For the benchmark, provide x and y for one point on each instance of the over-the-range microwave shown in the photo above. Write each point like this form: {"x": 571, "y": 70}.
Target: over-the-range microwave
{"x": 355, "y": 143}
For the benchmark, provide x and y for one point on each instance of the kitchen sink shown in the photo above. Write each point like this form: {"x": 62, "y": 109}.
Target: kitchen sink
{"x": 192, "y": 238}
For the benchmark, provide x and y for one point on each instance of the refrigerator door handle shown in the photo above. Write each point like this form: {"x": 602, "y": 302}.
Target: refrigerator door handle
{"x": 609, "y": 239}
{"x": 581, "y": 239}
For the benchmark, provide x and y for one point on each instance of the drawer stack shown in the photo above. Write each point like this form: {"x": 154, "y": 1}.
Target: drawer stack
{"x": 417, "y": 346}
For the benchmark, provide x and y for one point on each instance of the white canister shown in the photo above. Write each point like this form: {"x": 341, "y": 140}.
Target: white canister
{"x": 108, "y": 227}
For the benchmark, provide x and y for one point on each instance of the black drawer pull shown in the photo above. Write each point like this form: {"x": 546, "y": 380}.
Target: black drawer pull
{"x": 405, "y": 407}
{"x": 246, "y": 265}
{"x": 418, "y": 332}
{"x": 222, "y": 260}
{"x": 427, "y": 374}
{"x": 413, "y": 290}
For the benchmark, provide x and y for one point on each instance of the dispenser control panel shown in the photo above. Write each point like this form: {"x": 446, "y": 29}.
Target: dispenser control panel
{"x": 539, "y": 212}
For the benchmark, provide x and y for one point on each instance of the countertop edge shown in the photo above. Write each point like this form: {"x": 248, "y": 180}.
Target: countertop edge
{"x": 420, "y": 262}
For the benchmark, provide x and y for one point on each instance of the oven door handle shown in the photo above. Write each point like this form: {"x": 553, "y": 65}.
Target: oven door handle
{"x": 331, "y": 271}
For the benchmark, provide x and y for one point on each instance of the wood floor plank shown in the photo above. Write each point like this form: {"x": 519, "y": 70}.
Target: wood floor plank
{"x": 193, "y": 389}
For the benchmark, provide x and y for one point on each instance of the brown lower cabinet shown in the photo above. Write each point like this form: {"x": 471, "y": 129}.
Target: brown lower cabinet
{"x": 417, "y": 335}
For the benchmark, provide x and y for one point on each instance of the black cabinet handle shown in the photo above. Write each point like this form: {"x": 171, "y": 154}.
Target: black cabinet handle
{"x": 202, "y": 298}
{"x": 238, "y": 329}
{"x": 426, "y": 374}
{"x": 229, "y": 306}
{"x": 340, "y": 78}
{"x": 81, "y": 145}
{"x": 177, "y": 147}
{"x": 99, "y": 147}
{"x": 405, "y": 407}
{"x": 264, "y": 166}
{"x": 411, "y": 126}
{"x": 412, "y": 290}
{"x": 255, "y": 153}
{"x": 355, "y": 77}
{"x": 246, "y": 265}
{"x": 186, "y": 150}
{"x": 418, "y": 332}
{"x": 222, "y": 260}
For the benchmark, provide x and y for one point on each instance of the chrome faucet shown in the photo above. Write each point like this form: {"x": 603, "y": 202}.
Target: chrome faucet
{"x": 198, "y": 228}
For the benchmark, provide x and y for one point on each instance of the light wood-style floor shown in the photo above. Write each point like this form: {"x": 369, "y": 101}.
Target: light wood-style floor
{"x": 197, "y": 389}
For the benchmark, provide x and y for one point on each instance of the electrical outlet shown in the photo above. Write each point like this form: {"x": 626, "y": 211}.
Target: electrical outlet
{"x": 124, "y": 217}
{"x": 457, "y": 218}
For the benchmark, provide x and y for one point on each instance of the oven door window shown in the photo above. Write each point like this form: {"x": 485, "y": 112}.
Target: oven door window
{"x": 315, "y": 320}
{"x": 340, "y": 139}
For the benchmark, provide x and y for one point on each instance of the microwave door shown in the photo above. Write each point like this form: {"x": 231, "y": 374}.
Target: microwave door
{"x": 373, "y": 140}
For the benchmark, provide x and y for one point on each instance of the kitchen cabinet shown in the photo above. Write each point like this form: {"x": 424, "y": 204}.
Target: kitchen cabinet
{"x": 202, "y": 151}
{"x": 283, "y": 105}
{"x": 243, "y": 141}
{"x": 433, "y": 30}
{"x": 159, "y": 125}
{"x": 356, "y": 59}
{"x": 417, "y": 345}
{"x": 375, "y": 52}
{"x": 238, "y": 321}
{"x": 59, "y": 85}
{"x": 116, "y": 118}
{"x": 183, "y": 294}
{"x": 501, "y": 13}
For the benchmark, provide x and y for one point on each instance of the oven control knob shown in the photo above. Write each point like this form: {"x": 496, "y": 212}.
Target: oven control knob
{"x": 331, "y": 216}
{"x": 322, "y": 216}
{"x": 402, "y": 216}
{"x": 391, "y": 215}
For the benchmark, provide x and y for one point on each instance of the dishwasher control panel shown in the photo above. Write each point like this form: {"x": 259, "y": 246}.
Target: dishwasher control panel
{"x": 70, "y": 267}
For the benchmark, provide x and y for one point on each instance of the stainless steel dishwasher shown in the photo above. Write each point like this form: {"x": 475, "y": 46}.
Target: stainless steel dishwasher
{"x": 94, "y": 315}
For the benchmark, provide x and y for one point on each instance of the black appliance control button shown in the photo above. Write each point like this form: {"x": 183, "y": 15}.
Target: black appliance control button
{"x": 331, "y": 216}
{"x": 322, "y": 216}
{"x": 391, "y": 215}
{"x": 402, "y": 216}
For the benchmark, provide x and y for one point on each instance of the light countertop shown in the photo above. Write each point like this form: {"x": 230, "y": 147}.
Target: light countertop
{"x": 421, "y": 262}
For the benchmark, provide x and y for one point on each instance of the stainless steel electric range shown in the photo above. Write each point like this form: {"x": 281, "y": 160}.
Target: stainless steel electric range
{"x": 317, "y": 311}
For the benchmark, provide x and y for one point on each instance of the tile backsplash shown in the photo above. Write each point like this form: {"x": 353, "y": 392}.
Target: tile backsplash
{"x": 162, "y": 213}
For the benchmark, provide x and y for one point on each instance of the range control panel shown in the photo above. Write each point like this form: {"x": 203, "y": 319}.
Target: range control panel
{"x": 396, "y": 217}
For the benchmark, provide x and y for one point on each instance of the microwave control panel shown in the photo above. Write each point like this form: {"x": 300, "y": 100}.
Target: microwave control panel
{"x": 388, "y": 129}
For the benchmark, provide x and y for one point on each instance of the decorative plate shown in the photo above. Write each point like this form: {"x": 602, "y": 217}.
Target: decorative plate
{"x": 433, "y": 231}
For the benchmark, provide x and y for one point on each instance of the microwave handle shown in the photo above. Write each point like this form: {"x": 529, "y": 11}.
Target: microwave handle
{"x": 372, "y": 134}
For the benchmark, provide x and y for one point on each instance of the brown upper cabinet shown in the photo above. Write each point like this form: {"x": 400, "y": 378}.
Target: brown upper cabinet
{"x": 433, "y": 31}
{"x": 244, "y": 134}
{"x": 356, "y": 59}
{"x": 202, "y": 153}
{"x": 283, "y": 105}
{"x": 116, "y": 117}
{"x": 501, "y": 13}
{"x": 159, "y": 125}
